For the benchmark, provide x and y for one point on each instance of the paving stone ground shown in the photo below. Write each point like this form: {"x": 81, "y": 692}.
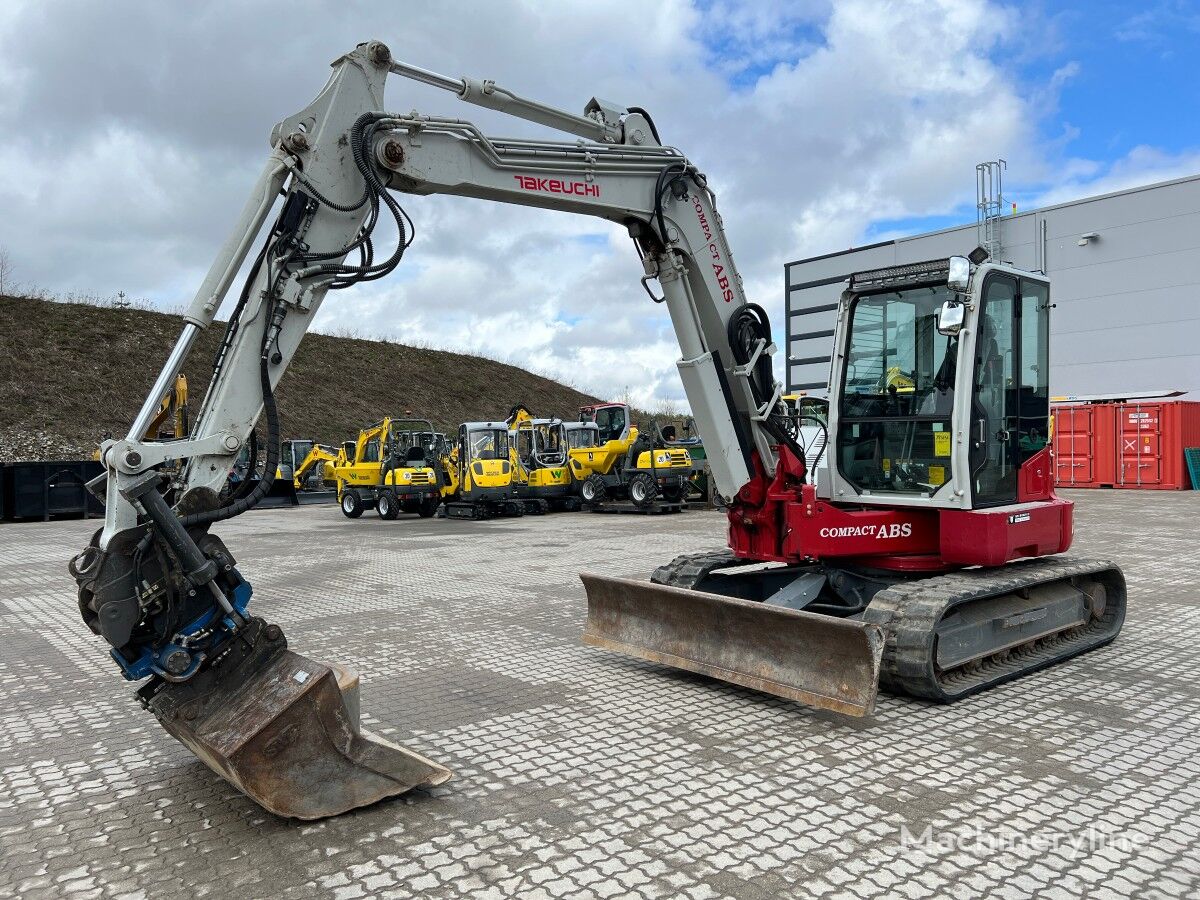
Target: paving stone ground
{"x": 583, "y": 774}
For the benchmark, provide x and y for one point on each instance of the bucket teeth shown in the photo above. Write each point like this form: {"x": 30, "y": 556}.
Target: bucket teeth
{"x": 821, "y": 661}
{"x": 284, "y": 730}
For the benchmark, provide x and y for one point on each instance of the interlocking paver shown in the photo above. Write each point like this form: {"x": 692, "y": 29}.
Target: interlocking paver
{"x": 583, "y": 774}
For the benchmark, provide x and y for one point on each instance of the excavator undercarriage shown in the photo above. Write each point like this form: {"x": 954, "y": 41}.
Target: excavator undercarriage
{"x": 830, "y": 636}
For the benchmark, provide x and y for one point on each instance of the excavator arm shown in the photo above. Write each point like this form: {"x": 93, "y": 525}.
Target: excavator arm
{"x": 317, "y": 455}
{"x": 166, "y": 594}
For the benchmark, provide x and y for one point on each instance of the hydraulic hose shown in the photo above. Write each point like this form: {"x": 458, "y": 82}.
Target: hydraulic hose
{"x": 747, "y": 327}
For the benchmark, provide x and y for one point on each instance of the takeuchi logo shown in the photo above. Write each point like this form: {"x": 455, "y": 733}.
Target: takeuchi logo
{"x": 557, "y": 186}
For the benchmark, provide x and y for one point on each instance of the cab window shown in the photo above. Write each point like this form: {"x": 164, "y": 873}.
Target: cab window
{"x": 1010, "y": 404}
{"x": 491, "y": 444}
{"x": 610, "y": 420}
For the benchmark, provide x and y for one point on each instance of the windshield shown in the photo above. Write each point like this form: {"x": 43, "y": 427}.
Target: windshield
{"x": 300, "y": 449}
{"x": 549, "y": 439}
{"x": 540, "y": 443}
{"x": 489, "y": 444}
{"x": 581, "y": 437}
{"x": 898, "y": 393}
{"x": 895, "y": 358}
{"x": 417, "y": 446}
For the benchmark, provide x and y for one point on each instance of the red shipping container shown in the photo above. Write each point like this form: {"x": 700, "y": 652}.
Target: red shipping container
{"x": 1125, "y": 445}
{"x": 1151, "y": 439}
{"x": 1083, "y": 442}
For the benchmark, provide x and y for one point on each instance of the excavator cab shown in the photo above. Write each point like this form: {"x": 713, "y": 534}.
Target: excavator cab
{"x": 928, "y": 411}
{"x": 581, "y": 435}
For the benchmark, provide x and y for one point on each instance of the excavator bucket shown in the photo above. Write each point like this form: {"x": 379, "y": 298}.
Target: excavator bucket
{"x": 287, "y": 735}
{"x": 821, "y": 661}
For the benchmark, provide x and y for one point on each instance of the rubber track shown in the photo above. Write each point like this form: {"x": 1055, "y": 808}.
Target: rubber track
{"x": 909, "y": 614}
{"x": 690, "y": 569}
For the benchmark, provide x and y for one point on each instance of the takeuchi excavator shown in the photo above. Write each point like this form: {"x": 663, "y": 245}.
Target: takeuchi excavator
{"x": 926, "y": 559}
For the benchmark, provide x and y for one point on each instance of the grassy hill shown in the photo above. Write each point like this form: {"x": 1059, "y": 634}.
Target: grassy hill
{"x": 72, "y": 373}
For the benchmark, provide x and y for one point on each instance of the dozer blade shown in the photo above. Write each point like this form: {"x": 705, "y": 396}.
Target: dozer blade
{"x": 822, "y": 661}
{"x": 285, "y": 732}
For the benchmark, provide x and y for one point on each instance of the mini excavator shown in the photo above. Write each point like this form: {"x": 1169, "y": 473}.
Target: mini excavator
{"x": 926, "y": 561}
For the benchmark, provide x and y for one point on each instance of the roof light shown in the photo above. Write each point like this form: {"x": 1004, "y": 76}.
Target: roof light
{"x": 936, "y": 271}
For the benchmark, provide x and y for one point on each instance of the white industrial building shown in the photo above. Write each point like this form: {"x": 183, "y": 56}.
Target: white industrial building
{"x": 1125, "y": 275}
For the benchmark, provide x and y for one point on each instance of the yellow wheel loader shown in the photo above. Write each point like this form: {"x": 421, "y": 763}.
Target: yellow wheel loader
{"x": 626, "y": 465}
{"x": 392, "y": 466}
{"x": 541, "y": 476}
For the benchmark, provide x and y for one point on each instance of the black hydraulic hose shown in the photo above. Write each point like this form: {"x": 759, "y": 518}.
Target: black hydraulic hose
{"x": 747, "y": 326}
{"x": 660, "y": 187}
{"x": 244, "y": 297}
{"x": 237, "y": 507}
{"x": 252, "y": 466}
{"x": 376, "y": 190}
{"x": 250, "y": 500}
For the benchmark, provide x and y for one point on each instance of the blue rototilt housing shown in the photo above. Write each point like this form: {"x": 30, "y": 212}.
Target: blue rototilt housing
{"x": 154, "y": 662}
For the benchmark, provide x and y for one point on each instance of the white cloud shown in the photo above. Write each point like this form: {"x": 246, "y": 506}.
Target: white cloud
{"x": 123, "y": 169}
{"x": 1142, "y": 165}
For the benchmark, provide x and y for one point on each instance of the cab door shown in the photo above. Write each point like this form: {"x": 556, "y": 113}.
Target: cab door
{"x": 1010, "y": 409}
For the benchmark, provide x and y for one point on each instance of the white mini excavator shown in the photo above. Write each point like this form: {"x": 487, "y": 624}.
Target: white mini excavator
{"x": 924, "y": 560}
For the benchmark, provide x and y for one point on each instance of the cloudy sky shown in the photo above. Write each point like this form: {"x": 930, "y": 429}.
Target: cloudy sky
{"x": 132, "y": 132}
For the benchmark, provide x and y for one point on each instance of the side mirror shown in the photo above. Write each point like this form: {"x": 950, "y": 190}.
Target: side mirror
{"x": 960, "y": 274}
{"x": 950, "y": 318}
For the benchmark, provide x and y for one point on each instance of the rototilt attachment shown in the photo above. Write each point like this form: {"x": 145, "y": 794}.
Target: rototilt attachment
{"x": 279, "y": 727}
{"x": 821, "y": 661}
{"x": 284, "y": 730}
